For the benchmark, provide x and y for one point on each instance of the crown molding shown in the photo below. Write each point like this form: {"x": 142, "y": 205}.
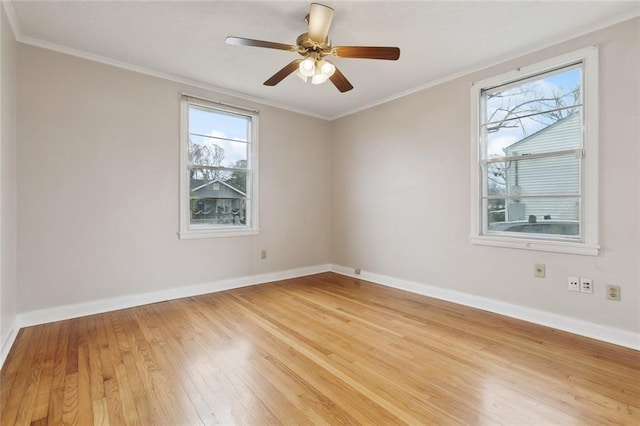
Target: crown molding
{"x": 10, "y": 13}
{"x": 157, "y": 74}
{"x": 500, "y": 60}
{"x": 11, "y": 17}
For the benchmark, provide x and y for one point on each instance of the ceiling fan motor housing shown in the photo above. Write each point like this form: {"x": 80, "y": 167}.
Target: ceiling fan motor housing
{"x": 306, "y": 45}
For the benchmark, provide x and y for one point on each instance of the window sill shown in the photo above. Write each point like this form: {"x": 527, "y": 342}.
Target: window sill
{"x": 196, "y": 234}
{"x": 567, "y": 247}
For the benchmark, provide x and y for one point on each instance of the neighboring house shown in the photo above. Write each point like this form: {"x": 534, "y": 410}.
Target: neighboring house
{"x": 217, "y": 202}
{"x": 555, "y": 175}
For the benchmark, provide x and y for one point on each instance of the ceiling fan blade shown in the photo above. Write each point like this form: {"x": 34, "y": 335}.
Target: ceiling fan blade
{"x": 366, "y": 52}
{"x": 239, "y": 41}
{"x": 340, "y": 81}
{"x": 284, "y": 72}
{"x": 320, "y": 17}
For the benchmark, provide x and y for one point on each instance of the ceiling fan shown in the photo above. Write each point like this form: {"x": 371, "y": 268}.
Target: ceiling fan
{"x": 314, "y": 46}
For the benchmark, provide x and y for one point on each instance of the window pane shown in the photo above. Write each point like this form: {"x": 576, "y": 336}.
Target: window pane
{"x": 555, "y": 175}
{"x": 211, "y": 182}
{"x": 211, "y": 151}
{"x": 531, "y": 108}
{"x": 536, "y": 134}
{"x": 209, "y": 122}
{"x": 551, "y": 91}
{"x": 495, "y": 211}
{"x": 218, "y": 197}
{"x": 495, "y": 174}
{"x": 552, "y": 216}
{"x": 218, "y": 211}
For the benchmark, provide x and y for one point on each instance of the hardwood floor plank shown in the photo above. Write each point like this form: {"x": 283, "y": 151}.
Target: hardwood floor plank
{"x": 24, "y": 377}
{"x": 41, "y": 403}
{"x": 13, "y": 364}
{"x": 322, "y": 349}
{"x": 70, "y": 399}
{"x": 100, "y": 412}
{"x": 27, "y": 402}
{"x": 130, "y": 380}
{"x": 85, "y": 404}
{"x": 129, "y": 407}
{"x": 97, "y": 341}
{"x": 56, "y": 396}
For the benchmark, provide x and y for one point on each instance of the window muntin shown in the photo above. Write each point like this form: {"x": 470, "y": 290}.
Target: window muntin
{"x": 535, "y": 156}
{"x": 218, "y": 190}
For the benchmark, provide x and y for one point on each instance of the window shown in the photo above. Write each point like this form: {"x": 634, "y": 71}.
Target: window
{"x": 218, "y": 188}
{"x": 535, "y": 157}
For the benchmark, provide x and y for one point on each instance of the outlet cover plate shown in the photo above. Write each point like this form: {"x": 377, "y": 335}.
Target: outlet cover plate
{"x": 573, "y": 284}
{"x": 613, "y": 292}
{"x": 586, "y": 285}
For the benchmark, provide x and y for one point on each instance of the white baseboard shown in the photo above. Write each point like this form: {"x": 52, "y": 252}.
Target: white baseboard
{"x": 572, "y": 325}
{"x": 60, "y": 313}
{"x": 7, "y": 341}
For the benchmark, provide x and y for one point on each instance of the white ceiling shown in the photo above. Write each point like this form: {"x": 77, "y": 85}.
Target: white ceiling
{"x": 186, "y": 40}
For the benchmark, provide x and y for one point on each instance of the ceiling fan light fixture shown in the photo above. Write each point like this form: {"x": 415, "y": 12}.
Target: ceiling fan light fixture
{"x": 307, "y": 67}
{"x": 319, "y": 78}
{"x": 326, "y": 68}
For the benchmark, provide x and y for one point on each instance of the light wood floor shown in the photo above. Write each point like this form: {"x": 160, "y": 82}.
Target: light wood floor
{"x": 323, "y": 349}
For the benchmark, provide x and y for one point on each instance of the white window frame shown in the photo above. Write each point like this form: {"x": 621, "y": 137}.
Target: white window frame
{"x": 588, "y": 244}
{"x": 188, "y": 231}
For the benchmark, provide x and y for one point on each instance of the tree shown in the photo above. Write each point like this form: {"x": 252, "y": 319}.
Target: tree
{"x": 208, "y": 157}
{"x": 238, "y": 178}
{"x": 530, "y": 103}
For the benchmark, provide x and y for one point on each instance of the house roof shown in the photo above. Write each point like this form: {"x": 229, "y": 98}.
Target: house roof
{"x": 208, "y": 185}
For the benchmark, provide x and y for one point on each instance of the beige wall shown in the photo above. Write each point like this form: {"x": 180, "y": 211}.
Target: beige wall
{"x": 98, "y": 177}
{"x": 401, "y": 195}
{"x": 8, "y": 182}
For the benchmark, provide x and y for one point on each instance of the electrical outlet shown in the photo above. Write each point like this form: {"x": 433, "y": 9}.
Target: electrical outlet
{"x": 586, "y": 285}
{"x": 573, "y": 284}
{"x": 263, "y": 254}
{"x": 613, "y": 292}
{"x": 539, "y": 270}
{"x": 357, "y": 271}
